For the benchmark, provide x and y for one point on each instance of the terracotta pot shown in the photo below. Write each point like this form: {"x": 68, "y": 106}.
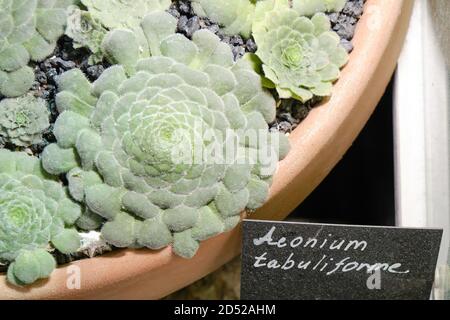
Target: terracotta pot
{"x": 317, "y": 146}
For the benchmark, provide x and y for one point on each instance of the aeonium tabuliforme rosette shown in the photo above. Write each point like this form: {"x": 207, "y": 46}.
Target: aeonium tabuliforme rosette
{"x": 23, "y": 120}
{"x": 170, "y": 149}
{"x": 300, "y": 57}
{"x": 36, "y": 215}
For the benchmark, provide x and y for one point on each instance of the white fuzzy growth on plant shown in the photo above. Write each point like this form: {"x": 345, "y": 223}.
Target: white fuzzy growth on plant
{"x": 92, "y": 244}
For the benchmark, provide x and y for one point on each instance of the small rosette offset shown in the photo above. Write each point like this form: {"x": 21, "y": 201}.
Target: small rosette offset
{"x": 300, "y": 57}
{"x": 35, "y": 211}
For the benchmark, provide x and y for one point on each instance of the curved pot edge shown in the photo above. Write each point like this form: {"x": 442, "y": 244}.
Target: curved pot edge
{"x": 326, "y": 134}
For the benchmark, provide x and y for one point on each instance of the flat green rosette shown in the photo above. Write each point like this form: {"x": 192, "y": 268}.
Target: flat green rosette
{"x": 35, "y": 212}
{"x": 23, "y": 120}
{"x": 298, "y": 56}
{"x": 29, "y": 30}
{"x": 147, "y": 146}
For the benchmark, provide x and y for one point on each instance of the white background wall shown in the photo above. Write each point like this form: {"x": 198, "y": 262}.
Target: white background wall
{"x": 421, "y": 126}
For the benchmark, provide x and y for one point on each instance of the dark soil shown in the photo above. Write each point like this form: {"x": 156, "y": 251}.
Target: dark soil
{"x": 65, "y": 58}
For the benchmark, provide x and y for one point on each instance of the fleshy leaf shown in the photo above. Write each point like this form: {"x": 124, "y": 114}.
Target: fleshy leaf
{"x": 28, "y": 31}
{"x": 33, "y": 208}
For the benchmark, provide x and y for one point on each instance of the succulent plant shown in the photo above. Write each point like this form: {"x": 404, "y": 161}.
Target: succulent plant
{"x": 235, "y": 16}
{"x": 23, "y": 120}
{"x": 311, "y": 7}
{"x": 86, "y": 32}
{"x": 266, "y": 6}
{"x": 128, "y": 142}
{"x": 298, "y": 56}
{"x": 29, "y": 30}
{"x": 115, "y": 14}
{"x": 88, "y": 25}
{"x": 35, "y": 211}
{"x": 238, "y": 16}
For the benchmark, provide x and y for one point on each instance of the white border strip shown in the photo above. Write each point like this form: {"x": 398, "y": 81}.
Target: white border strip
{"x": 409, "y": 128}
{"x": 421, "y": 128}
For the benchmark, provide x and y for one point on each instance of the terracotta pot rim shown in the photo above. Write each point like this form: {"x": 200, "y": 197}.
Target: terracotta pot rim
{"x": 317, "y": 145}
